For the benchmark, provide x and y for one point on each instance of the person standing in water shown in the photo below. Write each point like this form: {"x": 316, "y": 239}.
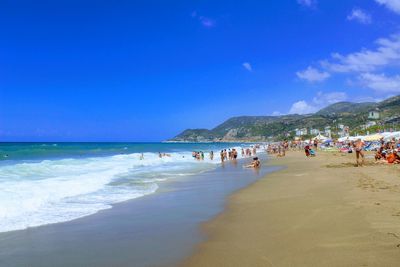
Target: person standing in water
{"x": 212, "y": 155}
{"x": 222, "y": 156}
{"x": 234, "y": 154}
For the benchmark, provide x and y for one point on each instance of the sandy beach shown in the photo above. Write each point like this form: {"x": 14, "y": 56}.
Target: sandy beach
{"x": 318, "y": 211}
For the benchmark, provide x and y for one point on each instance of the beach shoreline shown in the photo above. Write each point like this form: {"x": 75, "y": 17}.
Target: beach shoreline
{"x": 134, "y": 232}
{"x": 318, "y": 211}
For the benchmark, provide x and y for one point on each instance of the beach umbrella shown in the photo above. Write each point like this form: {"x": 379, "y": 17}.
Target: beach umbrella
{"x": 389, "y": 136}
{"x": 374, "y": 137}
{"x": 320, "y": 137}
{"x": 343, "y": 139}
{"x": 355, "y": 138}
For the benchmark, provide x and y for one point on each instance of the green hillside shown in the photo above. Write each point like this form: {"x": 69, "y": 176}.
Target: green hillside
{"x": 262, "y": 128}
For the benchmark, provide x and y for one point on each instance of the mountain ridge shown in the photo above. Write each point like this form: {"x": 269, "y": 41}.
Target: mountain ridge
{"x": 264, "y": 128}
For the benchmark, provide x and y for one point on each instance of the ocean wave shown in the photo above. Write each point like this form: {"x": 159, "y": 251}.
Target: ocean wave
{"x": 52, "y": 191}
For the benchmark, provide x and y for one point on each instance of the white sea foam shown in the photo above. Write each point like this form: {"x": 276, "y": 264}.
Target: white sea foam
{"x": 51, "y": 191}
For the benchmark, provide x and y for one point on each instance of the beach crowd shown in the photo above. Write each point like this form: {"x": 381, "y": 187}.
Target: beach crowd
{"x": 231, "y": 154}
{"x": 386, "y": 151}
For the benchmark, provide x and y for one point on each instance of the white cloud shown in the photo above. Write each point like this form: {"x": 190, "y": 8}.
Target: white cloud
{"x": 381, "y": 82}
{"x": 360, "y": 16}
{"x": 302, "y": 107}
{"x": 387, "y": 53}
{"x": 277, "y": 113}
{"x": 367, "y": 98}
{"x": 247, "y": 66}
{"x": 205, "y": 21}
{"x": 320, "y": 101}
{"x": 307, "y": 3}
{"x": 393, "y": 5}
{"x": 312, "y": 75}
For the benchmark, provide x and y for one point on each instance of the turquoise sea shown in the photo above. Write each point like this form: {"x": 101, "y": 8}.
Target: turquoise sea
{"x": 44, "y": 183}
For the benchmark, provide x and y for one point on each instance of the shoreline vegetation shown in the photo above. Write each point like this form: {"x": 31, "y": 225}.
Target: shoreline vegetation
{"x": 319, "y": 211}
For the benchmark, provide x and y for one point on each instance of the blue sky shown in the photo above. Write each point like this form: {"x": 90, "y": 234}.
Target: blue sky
{"x": 146, "y": 70}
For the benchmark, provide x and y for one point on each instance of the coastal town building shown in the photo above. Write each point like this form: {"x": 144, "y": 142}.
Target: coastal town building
{"x": 301, "y": 132}
{"x": 368, "y": 124}
{"x": 344, "y": 131}
{"x": 327, "y": 131}
{"x": 374, "y": 114}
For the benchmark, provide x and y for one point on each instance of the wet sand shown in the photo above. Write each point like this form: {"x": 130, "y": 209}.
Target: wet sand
{"x": 318, "y": 211}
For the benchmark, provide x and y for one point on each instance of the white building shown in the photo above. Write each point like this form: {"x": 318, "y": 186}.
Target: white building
{"x": 300, "y": 132}
{"x": 327, "y": 131}
{"x": 374, "y": 114}
{"x": 314, "y": 131}
{"x": 345, "y": 131}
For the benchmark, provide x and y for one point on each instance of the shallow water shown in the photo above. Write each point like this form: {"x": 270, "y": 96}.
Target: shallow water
{"x": 44, "y": 183}
{"x": 159, "y": 229}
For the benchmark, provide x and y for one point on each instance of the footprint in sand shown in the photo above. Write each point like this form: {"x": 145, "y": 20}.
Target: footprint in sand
{"x": 396, "y": 214}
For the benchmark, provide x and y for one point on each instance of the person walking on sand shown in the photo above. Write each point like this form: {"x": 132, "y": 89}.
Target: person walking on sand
{"x": 315, "y": 144}
{"x": 358, "y": 146}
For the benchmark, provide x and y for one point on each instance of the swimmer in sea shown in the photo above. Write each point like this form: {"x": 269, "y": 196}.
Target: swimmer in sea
{"x": 255, "y": 164}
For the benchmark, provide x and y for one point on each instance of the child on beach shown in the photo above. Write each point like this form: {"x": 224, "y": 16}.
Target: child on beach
{"x": 307, "y": 150}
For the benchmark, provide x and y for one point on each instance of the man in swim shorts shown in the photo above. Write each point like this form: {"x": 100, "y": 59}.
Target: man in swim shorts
{"x": 358, "y": 146}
